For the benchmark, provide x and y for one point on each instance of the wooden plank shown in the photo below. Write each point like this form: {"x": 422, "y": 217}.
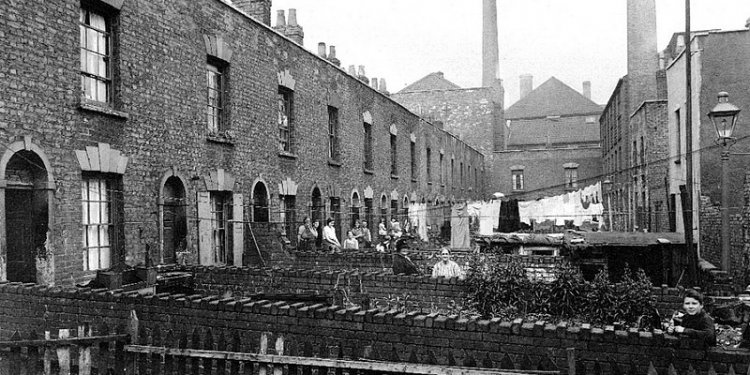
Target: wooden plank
{"x": 238, "y": 224}
{"x": 204, "y": 228}
{"x": 15, "y": 360}
{"x": 263, "y": 368}
{"x": 63, "y": 353}
{"x": 407, "y": 368}
{"x": 35, "y": 364}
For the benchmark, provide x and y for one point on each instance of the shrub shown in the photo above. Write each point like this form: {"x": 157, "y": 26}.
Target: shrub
{"x": 503, "y": 290}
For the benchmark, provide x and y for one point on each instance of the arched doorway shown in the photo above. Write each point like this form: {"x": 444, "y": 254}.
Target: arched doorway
{"x": 317, "y": 211}
{"x": 26, "y": 214}
{"x": 260, "y": 203}
{"x": 175, "y": 219}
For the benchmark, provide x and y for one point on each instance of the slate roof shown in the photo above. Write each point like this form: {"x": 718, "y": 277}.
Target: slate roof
{"x": 552, "y": 131}
{"x": 552, "y": 98}
{"x": 430, "y": 82}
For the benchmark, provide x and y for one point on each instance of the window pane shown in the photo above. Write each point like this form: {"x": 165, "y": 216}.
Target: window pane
{"x": 92, "y": 238}
{"x": 93, "y": 255}
{"x": 104, "y": 235}
{"x": 97, "y": 21}
{"x": 104, "y": 257}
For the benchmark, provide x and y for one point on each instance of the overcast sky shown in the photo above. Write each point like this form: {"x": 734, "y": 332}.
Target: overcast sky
{"x": 573, "y": 40}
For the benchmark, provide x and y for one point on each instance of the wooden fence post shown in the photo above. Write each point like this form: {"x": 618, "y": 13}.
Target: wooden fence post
{"x": 278, "y": 370}
{"x": 571, "y": 352}
{"x": 263, "y": 349}
{"x": 132, "y": 328}
{"x": 63, "y": 353}
{"x": 84, "y": 352}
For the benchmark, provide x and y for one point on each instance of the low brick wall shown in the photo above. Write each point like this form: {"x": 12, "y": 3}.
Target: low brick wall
{"x": 414, "y": 336}
{"x": 413, "y": 293}
{"x": 371, "y": 261}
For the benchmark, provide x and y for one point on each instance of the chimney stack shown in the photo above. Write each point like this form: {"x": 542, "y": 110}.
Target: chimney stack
{"x": 293, "y": 30}
{"x": 332, "y": 56}
{"x": 383, "y": 88}
{"x": 527, "y": 84}
{"x": 643, "y": 56}
{"x": 322, "y": 50}
{"x": 374, "y": 83}
{"x": 258, "y": 9}
{"x": 362, "y": 76}
{"x": 587, "y": 89}
{"x": 490, "y": 51}
{"x": 280, "y": 21}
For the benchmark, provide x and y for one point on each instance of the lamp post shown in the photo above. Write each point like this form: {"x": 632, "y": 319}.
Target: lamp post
{"x": 724, "y": 117}
{"x": 607, "y": 185}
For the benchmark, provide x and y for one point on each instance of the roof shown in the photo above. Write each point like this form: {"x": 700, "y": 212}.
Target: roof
{"x": 552, "y": 98}
{"x": 430, "y": 82}
{"x": 632, "y": 239}
{"x": 553, "y": 131}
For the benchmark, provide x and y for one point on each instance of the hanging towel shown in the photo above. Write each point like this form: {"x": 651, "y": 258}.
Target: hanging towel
{"x": 460, "y": 239}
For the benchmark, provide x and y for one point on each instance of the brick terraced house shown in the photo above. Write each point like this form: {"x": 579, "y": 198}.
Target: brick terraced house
{"x": 133, "y": 128}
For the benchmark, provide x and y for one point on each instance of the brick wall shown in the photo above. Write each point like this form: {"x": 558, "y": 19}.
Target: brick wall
{"x": 158, "y": 120}
{"x": 544, "y": 174}
{"x": 26, "y": 307}
{"x": 710, "y": 230}
{"x": 380, "y": 287}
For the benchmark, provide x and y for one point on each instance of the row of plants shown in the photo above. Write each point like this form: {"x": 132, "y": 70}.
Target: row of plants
{"x": 505, "y": 291}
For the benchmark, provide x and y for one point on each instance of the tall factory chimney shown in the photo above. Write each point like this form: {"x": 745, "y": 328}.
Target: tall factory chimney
{"x": 643, "y": 57}
{"x": 490, "y": 52}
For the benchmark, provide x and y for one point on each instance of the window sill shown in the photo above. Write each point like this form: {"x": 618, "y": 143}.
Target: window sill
{"x": 222, "y": 137}
{"x": 102, "y": 109}
{"x": 368, "y": 171}
{"x": 394, "y": 176}
{"x": 288, "y": 155}
{"x": 334, "y": 163}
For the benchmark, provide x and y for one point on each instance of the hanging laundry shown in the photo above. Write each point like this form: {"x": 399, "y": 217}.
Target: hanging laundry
{"x": 460, "y": 239}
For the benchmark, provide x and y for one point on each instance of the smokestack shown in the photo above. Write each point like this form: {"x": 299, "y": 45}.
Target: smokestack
{"x": 361, "y": 75}
{"x": 280, "y": 21}
{"x": 322, "y": 50}
{"x": 527, "y": 84}
{"x": 258, "y": 9}
{"x": 383, "y": 88}
{"x": 587, "y": 89}
{"x": 293, "y": 30}
{"x": 490, "y": 52}
{"x": 643, "y": 58}
{"x": 374, "y": 83}
{"x": 332, "y": 56}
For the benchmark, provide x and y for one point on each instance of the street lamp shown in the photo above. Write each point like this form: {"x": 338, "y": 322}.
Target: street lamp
{"x": 607, "y": 185}
{"x": 724, "y": 117}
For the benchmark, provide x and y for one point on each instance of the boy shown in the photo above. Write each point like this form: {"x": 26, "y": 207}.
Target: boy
{"x": 694, "y": 323}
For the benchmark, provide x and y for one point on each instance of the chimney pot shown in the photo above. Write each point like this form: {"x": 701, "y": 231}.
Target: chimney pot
{"x": 374, "y": 83}
{"x": 587, "y": 89}
{"x": 382, "y": 85}
{"x": 352, "y": 70}
{"x": 280, "y": 19}
{"x": 292, "y": 21}
{"x": 322, "y": 50}
{"x": 747, "y": 24}
{"x": 332, "y": 56}
{"x": 361, "y": 70}
{"x": 527, "y": 84}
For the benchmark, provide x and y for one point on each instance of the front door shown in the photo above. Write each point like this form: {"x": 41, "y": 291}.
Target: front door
{"x": 19, "y": 219}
